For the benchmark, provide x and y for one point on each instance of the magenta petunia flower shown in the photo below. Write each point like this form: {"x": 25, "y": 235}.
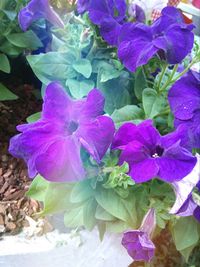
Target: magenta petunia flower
{"x": 151, "y": 155}
{"x": 184, "y": 204}
{"x": 138, "y": 242}
{"x": 184, "y": 100}
{"x": 109, "y": 15}
{"x": 37, "y": 9}
{"x": 51, "y": 146}
{"x": 138, "y": 42}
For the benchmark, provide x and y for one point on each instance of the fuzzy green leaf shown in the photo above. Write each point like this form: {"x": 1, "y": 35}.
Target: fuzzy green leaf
{"x": 6, "y": 94}
{"x": 4, "y": 63}
{"x": 186, "y": 235}
{"x": 152, "y": 102}
{"x": 129, "y": 113}
{"x": 83, "y": 66}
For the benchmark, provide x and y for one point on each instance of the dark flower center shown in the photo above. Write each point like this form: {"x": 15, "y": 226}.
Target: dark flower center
{"x": 158, "y": 152}
{"x": 73, "y": 126}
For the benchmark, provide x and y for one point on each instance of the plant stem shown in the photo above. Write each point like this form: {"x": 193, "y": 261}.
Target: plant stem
{"x": 172, "y": 79}
{"x": 161, "y": 75}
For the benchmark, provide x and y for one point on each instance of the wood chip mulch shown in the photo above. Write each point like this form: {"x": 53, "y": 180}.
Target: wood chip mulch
{"x": 14, "y": 181}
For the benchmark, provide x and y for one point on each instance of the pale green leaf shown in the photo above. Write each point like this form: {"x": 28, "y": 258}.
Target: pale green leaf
{"x": 83, "y": 66}
{"x": 6, "y": 94}
{"x": 4, "y": 63}
{"x": 152, "y": 102}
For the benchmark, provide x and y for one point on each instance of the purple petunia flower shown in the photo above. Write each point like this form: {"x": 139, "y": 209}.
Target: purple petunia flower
{"x": 136, "y": 12}
{"x": 138, "y": 43}
{"x": 51, "y": 146}
{"x": 37, "y": 9}
{"x": 138, "y": 242}
{"x": 82, "y": 6}
{"x": 151, "y": 155}
{"x": 184, "y": 100}
{"x": 109, "y": 15}
{"x": 184, "y": 204}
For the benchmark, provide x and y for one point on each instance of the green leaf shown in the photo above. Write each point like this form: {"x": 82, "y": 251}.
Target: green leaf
{"x": 112, "y": 203}
{"x": 4, "y": 63}
{"x": 107, "y": 72}
{"x": 89, "y": 211}
{"x": 34, "y": 117}
{"x": 57, "y": 198}
{"x": 79, "y": 89}
{"x": 185, "y": 234}
{"x": 117, "y": 226}
{"x": 116, "y": 92}
{"x": 53, "y": 66}
{"x": 74, "y": 217}
{"x": 26, "y": 39}
{"x": 152, "y": 102}
{"x": 102, "y": 229}
{"x": 103, "y": 215}
{"x": 9, "y": 49}
{"x": 84, "y": 67}
{"x": 140, "y": 83}
{"x": 116, "y": 206}
{"x": 38, "y": 188}
{"x": 127, "y": 113}
{"x": 10, "y": 14}
{"x": 6, "y": 94}
{"x": 81, "y": 191}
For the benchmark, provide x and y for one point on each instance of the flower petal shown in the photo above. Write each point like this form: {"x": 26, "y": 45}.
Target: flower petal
{"x": 37, "y": 9}
{"x": 183, "y": 107}
{"x": 176, "y": 163}
{"x": 184, "y": 187}
{"x": 124, "y": 135}
{"x": 97, "y": 136}
{"x": 139, "y": 246}
{"x": 135, "y": 47}
{"x": 61, "y": 162}
{"x": 93, "y": 106}
{"x": 144, "y": 171}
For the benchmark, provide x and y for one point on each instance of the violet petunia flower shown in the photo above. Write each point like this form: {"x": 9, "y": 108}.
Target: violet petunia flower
{"x": 109, "y": 15}
{"x": 168, "y": 35}
{"x": 136, "y": 12}
{"x": 82, "y": 6}
{"x": 184, "y": 204}
{"x": 184, "y": 100}
{"x": 51, "y": 146}
{"x": 138, "y": 242}
{"x": 37, "y": 9}
{"x": 151, "y": 155}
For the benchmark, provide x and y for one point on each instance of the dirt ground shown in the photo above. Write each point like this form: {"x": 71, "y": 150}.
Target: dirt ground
{"x": 14, "y": 181}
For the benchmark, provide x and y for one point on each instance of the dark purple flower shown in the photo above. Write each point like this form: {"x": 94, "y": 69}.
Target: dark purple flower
{"x": 51, "y": 146}
{"x": 138, "y": 43}
{"x": 136, "y": 12}
{"x": 151, "y": 155}
{"x": 184, "y": 204}
{"x": 138, "y": 242}
{"x": 108, "y": 15}
{"x": 184, "y": 100}
{"x": 37, "y": 9}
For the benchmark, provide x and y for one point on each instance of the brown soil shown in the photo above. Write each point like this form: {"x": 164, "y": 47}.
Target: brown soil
{"x": 14, "y": 181}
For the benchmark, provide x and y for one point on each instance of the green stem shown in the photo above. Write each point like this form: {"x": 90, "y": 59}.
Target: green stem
{"x": 173, "y": 72}
{"x": 146, "y": 75}
{"x": 186, "y": 69}
{"x": 172, "y": 79}
{"x": 161, "y": 76}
